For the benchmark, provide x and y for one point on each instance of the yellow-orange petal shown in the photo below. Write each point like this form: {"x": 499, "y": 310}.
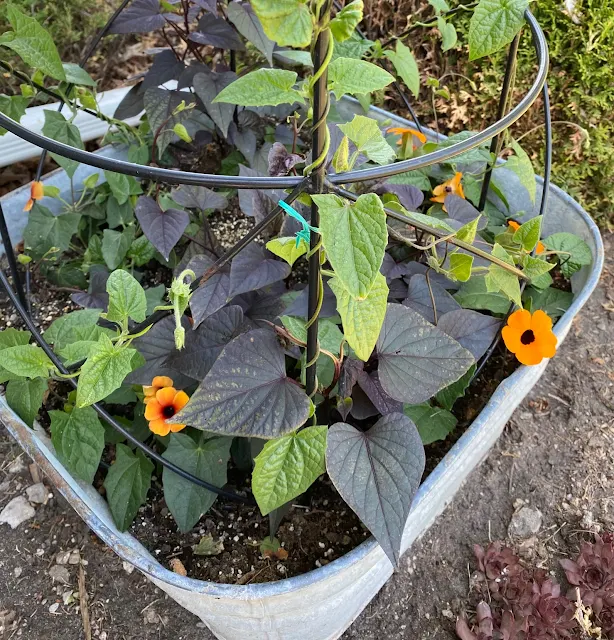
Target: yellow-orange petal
{"x": 148, "y": 399}
{"x": 166, "y": 396}
{"x": 159, "y": 427}
{"x": 162, "y": 381}
{"x": 29, "y": 205}
{"x": 150, "y": 392}
{"x": 548, "y": 345}
{"x": 440, "y": 199}
{"x": 37, "y": 190}
{"x": 513, "y": 224}
{"x": 176, "y": 427}
{"x": 440, "y": 189}
{"x": 153, "y": 410}
{"x": 541, "y": 322}
{"x": 511, "y": 338}
{"x": 520, "y": 320}
{"x": 540, "y": 248}
{"x": 455, "y": 183}
{"x": 529, "y": 354}
{"x": 180, "y": 400}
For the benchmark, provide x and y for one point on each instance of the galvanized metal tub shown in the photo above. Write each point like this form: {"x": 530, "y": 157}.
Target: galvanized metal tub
{"x": 321, "y": 604}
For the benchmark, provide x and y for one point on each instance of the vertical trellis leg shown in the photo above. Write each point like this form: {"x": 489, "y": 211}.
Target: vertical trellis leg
{"x": 319, "y": 144}
{"x": 10, "y": 258}
{"x": 508, "y": 81}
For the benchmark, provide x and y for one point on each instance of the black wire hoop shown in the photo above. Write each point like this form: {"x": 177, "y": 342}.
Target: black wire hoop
{"x": 318, "y": 182}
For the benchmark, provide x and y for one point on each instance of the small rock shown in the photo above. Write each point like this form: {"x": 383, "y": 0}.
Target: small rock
{"x": 128, "y": 568}
{"x": 17, "y": 571}
{"x": 35, "y": 473}
{"x": 150, "y": 616}
{"x": 18, "y": 510}
{"x": 54, "y": 607}
{"x": 446, "y": 613}
{"x": 525, "y": 522}
{"x": 74, "y": 557}
{"x": 37, "y": 494}
{"x": 177, "y": 567}
{"x": 62, "y": 557}
{"x": 59, "y": 573}
{"x": 5, "y": 486}
{"x": 17, "y": 466}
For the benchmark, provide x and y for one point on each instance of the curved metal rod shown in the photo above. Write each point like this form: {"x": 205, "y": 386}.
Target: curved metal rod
{"x": 172, "y": 176}
{"x": 231, "y": 495}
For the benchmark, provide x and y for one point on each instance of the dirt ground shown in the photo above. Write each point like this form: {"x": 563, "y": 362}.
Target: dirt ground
{"x": 556, "y": 455}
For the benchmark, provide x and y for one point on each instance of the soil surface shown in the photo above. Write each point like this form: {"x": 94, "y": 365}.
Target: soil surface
{"x": 556, "y": 455}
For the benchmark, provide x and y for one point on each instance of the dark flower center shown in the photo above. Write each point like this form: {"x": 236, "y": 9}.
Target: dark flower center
{"x": 168, "y": 411}
{"x": 449, "y": 189}
{"x": 527, "y": 337}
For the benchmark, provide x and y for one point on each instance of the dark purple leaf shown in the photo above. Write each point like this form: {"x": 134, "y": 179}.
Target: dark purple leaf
{"x": 248, "y": 119}
{"x": 472, "y": 330}
{"x": 200, "y": 198}
{"x": 351, "y": 369}
{"x": 377, "y": 472}
{"x": 412, "y": 268}
{"x": 265, "y": 305}
{"x": 165, "y": 67}
{"x": 162, "y": 228}
{"x": 207, "y": 5}
{"x": 247, "y": 391}
{"x": 207, "y": 86}
{"x": 285, "y": 135}
{"x": 416, "y": 359}
{"x": 391, "y": 269}
{"x": 245, "y": 140}
{"x": 156, "y": 346}
{"x": 142, "y": 16}
{"x": 419, "y": 298}
{"x": 370, "y": 384}
{"x": 217, "y": 33}
{"x": 397, "y": 289}
{"x": 96, "y": 296}
{"x": 186, "y": 79}
{"x": 409, "y": 196}
{"x": 262, "y": 205}
{"x": 204, "y": 345}
{"x": 362, "y": 407}
{"x": 209, "y": 297}
{"x": 254, "y": 268}
{"x": 299, "y": 305}
{"x": 246, "y": 21}
{"x": 463, "y": 211}
{"x": 131, "y": 104}
{"x": 281, "y": 161}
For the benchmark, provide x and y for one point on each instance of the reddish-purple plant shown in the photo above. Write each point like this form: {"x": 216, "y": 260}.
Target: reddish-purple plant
{"x": 593, "y": 573}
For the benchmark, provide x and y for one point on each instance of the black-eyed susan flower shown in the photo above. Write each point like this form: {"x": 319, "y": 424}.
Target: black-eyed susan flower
{"x": 540, "y": 248}
{"x": 451, "y": 186}
{"x": 37, "y": 191}
{"x": 529, "y": 336}
{"x": 405, "y": 133}
{"x": 164, "y": 405}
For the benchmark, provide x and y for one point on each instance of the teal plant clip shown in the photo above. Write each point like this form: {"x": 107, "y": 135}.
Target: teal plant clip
{"x": 305, "y": 232}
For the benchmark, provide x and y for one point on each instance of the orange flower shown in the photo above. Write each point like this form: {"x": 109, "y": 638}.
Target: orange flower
{"x": 37, "y": 191}
{"x": 166, "y": 403}
{"x": 452, "y": 186}
{"x": 515, "y": 226}
{"x": 159, "y": 382}
{"x": 529, "y": 337}
{"x": 405, "y": 132}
